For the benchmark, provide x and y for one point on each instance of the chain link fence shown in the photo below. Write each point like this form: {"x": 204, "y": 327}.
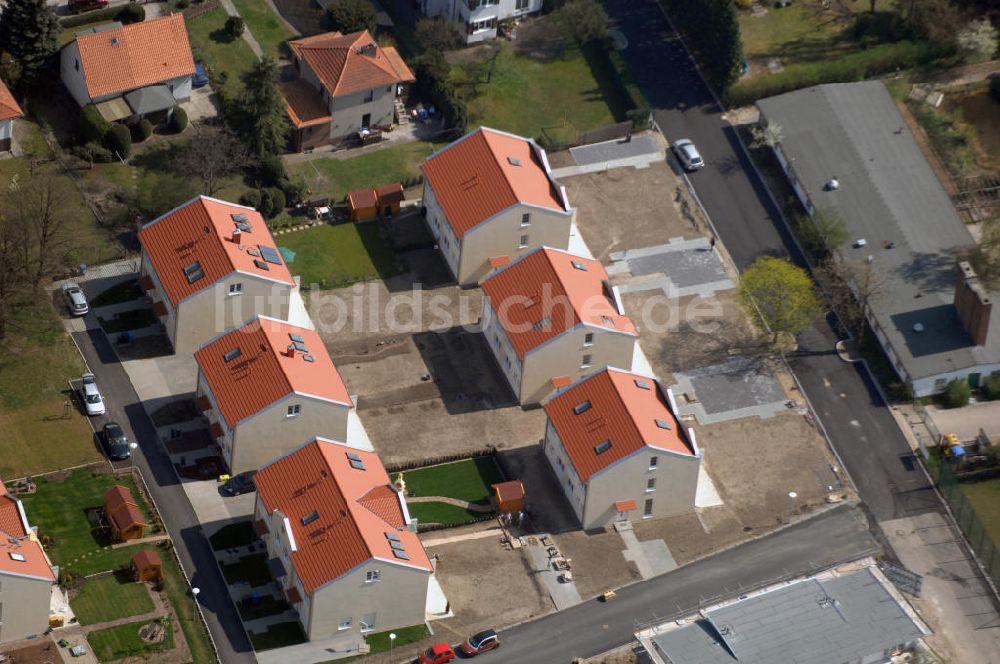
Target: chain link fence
{"x": 968, "y": 519}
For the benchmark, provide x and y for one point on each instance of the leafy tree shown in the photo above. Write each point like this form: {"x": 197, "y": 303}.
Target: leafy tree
{"x": 935, "y": 19}
{"x": 977, "y": 41}
{"x": 29, "y": 31}
{"x": 713, "y": 31}
{"x": 211, "y": 154}
{"x": 10, "y": 70}
{"x": 260, "y": 110}
{"x": 132, "y": 12}
{"x": 582, "y": 21}
{"x": 179, "y": 119}
{"x": 272, "y": 170}
{"x": 436, "y": 34}
{"x": 991, "y": 387}
{"x": 825, "y": 231}
{"x": 766, "y": 136}
{"x": 235, "y": 25}
{"x": 352, "y": 16}
{"x": 93, "y": 126}
{"x": 141, "y": 130}
{"x": 780, "y": 295}
{"x": 956, "y": 393}
{"x": 119, "y": 141}
{"x": 852, "y": 287}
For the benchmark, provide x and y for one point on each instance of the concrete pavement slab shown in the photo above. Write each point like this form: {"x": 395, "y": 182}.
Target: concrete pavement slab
{"x": 742, "y": 387}
{"x": 966, "y": 422}
{"x": 637, "y": 146}
{"x": 563, "y": 593}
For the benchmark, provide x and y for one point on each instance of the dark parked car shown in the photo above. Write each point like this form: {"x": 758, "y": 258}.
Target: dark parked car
{"x": 481, "y": 642}
{"x": 200, "y": 79}
{"x": 78, "y": 6}
{"x": 237, "y": 485}
{"x": 115, "y": 442}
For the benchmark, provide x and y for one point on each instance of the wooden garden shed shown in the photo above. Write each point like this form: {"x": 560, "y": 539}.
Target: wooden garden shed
{"x": 123, "y": 514}
{"x": 389, "y": 197}
{"x": 508, "y": 496}
{"x": 363, "y": 205}
{"x": 147, "y": 566}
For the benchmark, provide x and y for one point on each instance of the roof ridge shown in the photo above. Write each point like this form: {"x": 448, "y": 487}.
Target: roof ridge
{"x": 496, "y": 159}
{"x": 275, "y": 355}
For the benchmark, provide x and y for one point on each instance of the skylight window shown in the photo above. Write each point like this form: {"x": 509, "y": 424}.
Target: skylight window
{"x": 402, "y": 555}
{"x": 607, "y": 321}
{"x": 233, "y": 354}
{"x": 513, "y": 161}
{"x": 392, "y": 536}
{"x": 308, "y": 358}
{"x": 397, "y": 545}
{"x": 581, "y": 407}
{"x": 19, "y": 557}
{"x": 309, "y": 518}
{"x": 355, "y": 461}
{"x": 192, "y": 267}
{"x": 579, "y": 266}
{"x": 663, "y": 424}
{"x": 642, "y": 384}
{"x": 261, "y": 265}
{"x": 195, "y": 276}
{"x": 542, "y": 323}
{"x": 602, "y": 447}
{"x": 295, "y": 337}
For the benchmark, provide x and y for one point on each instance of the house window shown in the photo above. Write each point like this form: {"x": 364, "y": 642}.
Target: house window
{"x": 521, "y": 5}
{"x": 76, "y": 65}
{"x": 647, "y": 508}
{"x": 236, "y": 289}
{"x": 370, "y": 95}
{"x": 585, "y": 362}
{"x": 651, "y": 484}
{"x": 653, "y": 462}
{"x": 294, "y": 409}
{"x": 481, "y": 26}
{"x": 940, "y": 382}
{"x": 569, "y": 485}
{"x": 367, "y": 627}
{"x": 588, "y": 339}
{"x": 523, "y": 242}
{"x": 526, "y": 219}
{"x": 373, "y": 575}
{"x": 344, "y": 624}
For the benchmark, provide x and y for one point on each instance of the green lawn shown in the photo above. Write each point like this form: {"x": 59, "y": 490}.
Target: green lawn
{"x": 985, "y": 498}
{"x": 269, "y": 31}
{"x": 334, "y": 256}
{"x": 526, "y": 95}
{"x": 441, "y": 513}
{"x": 278, "y": 636}
{"x": 335, "y": 177}
{"x": 126, "y": 291}
{"x": 108, "y": 598}
{"x": 224, "y": 56}
{"x": 464, "y": 480}
{"x": 59, "y": 509}
{"x": 36, "y": 360}
{"x": 133, "y": 319}
{"x": 232, "y": 536}
{"x": 251, "y": 569}
{"x": 179, "y": 593}
{"x": 124, "y": 641}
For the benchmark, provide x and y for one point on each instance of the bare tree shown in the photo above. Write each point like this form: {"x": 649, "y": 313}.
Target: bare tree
{"x": 40, "y": 207}
{"x": 213, "y": 154}
{"x": 15, "y": 281}
{"x": 852, "y": 286}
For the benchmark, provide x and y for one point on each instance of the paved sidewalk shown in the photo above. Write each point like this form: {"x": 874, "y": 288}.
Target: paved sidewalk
{"x": 464, "y": 504}
{"x": 247, "y": 35}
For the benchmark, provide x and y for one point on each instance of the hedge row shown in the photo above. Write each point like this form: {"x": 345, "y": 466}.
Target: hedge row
{"x": 129, "y": 13}
{"x": 854, "y": 67}
{"x": 608, "y": 64}
{"x": 434, "y": 461}
{"x": 428, "y": 527}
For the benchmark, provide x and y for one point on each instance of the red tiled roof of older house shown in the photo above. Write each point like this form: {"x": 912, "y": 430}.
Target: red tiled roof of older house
{"x": 486, "y": 172}
{"x": 622, "y": 411}
{"x": 201, "y": 231}
{"x": 305, "y": 106}
{"x": 20, "y": 552}
{"x": 135, "y": 55}
{"x": 351, "y": 63}
{"x": 351, "y": 506}
{"x": 541, "y": 295}
{"x": 146, "y": 558}
{"x": 264, "y": 372}
{"x": 8, "y": 105}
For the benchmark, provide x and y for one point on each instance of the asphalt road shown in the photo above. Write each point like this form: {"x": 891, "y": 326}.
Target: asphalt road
{"x": 863, "y": 431}
{"x": 193, "y": 549}
{"x": 593, "y": 627}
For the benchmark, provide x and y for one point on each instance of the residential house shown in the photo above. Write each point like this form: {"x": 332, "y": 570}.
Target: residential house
{"x": 616, "y": 444}
{"x": 490, "y": 197}
{"x": 209, "y": 265}
{"x": 345, "y": 84}
{"x": 341, "y": 532}
{"x": 8, "y": 111}
{"x": 845, "y": 148}
{"x": 850, "y": 614}
{"x": 267, "y": 387}
{"x": 551, "y": 317}
{"x": 130, "y": 71}
{"x": 123, "y": 514}
{"x": 26, "y": 575}
{"x": 478, "y": 20}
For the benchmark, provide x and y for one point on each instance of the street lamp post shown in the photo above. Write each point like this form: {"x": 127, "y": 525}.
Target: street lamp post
{"x": 791, "y": 510}
{"x": 132, "y": 447}
{"x": 195, "y": 591}
{"x": 392, "y": 638}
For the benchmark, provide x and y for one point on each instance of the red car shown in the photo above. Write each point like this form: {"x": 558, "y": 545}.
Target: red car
{"x": 481, "y": 642}
{"x": 437, "y": 654}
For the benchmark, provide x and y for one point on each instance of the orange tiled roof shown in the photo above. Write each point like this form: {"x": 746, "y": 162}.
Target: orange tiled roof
{"x": 621, "y": 411}
{"x": 486, "y": 172}
{"x": 10, "y": 514}
{"x": 353, "y": 511}
{"x": 135, "y": 55}
{"x": 541, "y": 295}
{"x": 201, "y": 231}
{"x": 389, "y": 194}
{"x": 116, "y": 497}
{"x": 360, "y": 199}
{"x": 146, "y": 558}
{"x": 8, "y": 105}
{"x": 127, "y": 516}
{"x": 264, "y": 372}
{"x": 20, "y": 552}
{"x": 351, "y": 63}
{"x": 305, "y": 106}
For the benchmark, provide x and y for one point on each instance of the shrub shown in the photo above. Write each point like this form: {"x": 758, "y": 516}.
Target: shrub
{"x": 93, "y": 152}
{"x": 92, "y": 126}
{"x": 179, "y": 119}
{"x": 235, "y": 26}
{"x": 352, "y": 15}
{"x": 266, "y": 205}
{"x": 119, "y": 141}
{"x": 991, "y": 387}
{"x": 956, "y": 394}
{"x": 76, "y": 20}
{"x": 182, "y": 4}
{"x": 900, "y": 392}
{"x": 251, "y": 199}
{"x": 294, "y": 188}
{"x": 131, "y": 13}
{"x": 141, "y": 130}
{"x": 278, "y": 200}
{"x": 272, "y": 170}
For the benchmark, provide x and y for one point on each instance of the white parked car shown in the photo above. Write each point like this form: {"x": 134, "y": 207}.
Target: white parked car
{"x": 92, "y": 399}
{"x": 688, "y": 155}
{"x": 75, "y": 299}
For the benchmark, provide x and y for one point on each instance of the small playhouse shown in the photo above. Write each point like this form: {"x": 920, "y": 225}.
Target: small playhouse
{"x": 370, "y": 204}
{"x": 123, "y": 514}
{"x": 508, "y": 497}
{"x": 147, "y": 566}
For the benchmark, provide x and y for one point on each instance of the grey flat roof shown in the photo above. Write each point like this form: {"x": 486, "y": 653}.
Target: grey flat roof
{"x": 150, "y": 99}
{"x": 829, "y": 621}
{"x": 888, "y": 193}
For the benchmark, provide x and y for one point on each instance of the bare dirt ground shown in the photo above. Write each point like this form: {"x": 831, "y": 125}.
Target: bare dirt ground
{"x": 598, "y": 563}
{"x": 43, "y": 651}
{"x": 650, "y": 219}
{"x": 695, "y": 535}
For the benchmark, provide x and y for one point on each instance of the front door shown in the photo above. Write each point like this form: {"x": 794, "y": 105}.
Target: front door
{"x": 366, "y": 120}
{"x": 974, "y": 379}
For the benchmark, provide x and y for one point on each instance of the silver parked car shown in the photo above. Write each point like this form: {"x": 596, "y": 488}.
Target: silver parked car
{"x": 92, "y": 399}
{"x": 688, "y": 155}
{"x": 75, "y": 299}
